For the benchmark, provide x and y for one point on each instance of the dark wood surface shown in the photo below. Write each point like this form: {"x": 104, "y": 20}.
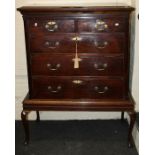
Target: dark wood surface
{"x": 83, "y": 25}
{"x": 88, "y": 25}
{"x": 62, "y": 25}
{"x": 33, "y": 9}
{"x": 111, "y": 50}
{"x": 89, "y": 43}
{"x": 66, "y": 87}
{"x": 79, "y": 104}
{"x": 92, "y": 64}
{"x": 101, "y": 83}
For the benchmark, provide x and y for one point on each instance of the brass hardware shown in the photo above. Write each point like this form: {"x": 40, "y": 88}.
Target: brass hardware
{"x": 100, "y": 67}
{"x": 116, "y": 24}
{"x": 77, "y": 81}
{"x": 52, "y": 22}
{"x": 58, "y": 88}
{"x": 76, "y": 59}
{"x": 96, "y": 88}
{"x": 79, "y": 59}
{"x": 35, "y": 24}
{"x": 51, "y": 26}
{"x": 57, "y": 66}
{"x": 49, "y": 87}
{"x": 105, "y": 43}
{"x": 100, "y": 22}
{"x": 77, "y": 38}
{"x": 52, "y": 45}
{"x": 100, "y": 25}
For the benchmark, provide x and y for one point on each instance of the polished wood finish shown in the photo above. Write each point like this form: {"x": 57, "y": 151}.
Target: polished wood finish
{"x": 91, "y": 9}
{"x": 101, "y": 83}
{"x": 54, "y": 43}
{"x": 122, "y": 115}
{"x": 89, "y": 25}
{"x": 66, "y": 87}
{"x": 132, "y": 121}
{"x": 78, "y": 104}
{"x": 38, "y": 116}
{"x": 95, "y": 65}
{"x": 24, "y": 115}
{"x": 40, "y": 26}
{"x": 105, "y": 43}
{"x": 96, "y": 43}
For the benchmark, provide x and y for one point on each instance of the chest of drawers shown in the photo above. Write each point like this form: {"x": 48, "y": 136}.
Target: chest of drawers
{"x": 77, "y": 59}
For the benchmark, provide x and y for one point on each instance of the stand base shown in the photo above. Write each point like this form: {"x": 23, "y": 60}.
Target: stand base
{"x": 126, "y": 105}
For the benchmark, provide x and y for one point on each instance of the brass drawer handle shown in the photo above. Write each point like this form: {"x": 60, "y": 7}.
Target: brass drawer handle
{"x": 105, "y": 89}
{"x": 52, "y": 45}
{"x": 57, "y": 66}
{"x": 58, "y": 88}
{"x": 79, "y": 59}
{"x": 102, "y": 45}
{"x": 77, "y": 81}
{"x": 51, "y": 26}
{"x": 76, "y": 38}
{"x": 35, "y": 24}
{"x": 101, "y": 25}
{"x": 116, "y": 24}
{"x": 100, "y": 67}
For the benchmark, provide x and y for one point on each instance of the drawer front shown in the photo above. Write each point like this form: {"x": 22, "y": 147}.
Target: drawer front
{"x": 58, "y": 64}
{"x": 100, "y": 43}
{"x": 77, "y": 87}
{"x": 102, "y": 25}
{"x": 52, "y": 43}
{"x": 42, "y": 26}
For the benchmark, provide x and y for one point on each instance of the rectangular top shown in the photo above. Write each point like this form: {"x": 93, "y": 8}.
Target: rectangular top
{"x": 37, "y": 9}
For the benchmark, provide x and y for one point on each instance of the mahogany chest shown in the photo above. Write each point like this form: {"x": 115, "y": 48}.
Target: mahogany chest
{"x": 77, "y": 59}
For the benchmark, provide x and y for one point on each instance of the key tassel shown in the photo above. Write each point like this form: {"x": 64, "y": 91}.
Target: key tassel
{"x": 76, "y": 59}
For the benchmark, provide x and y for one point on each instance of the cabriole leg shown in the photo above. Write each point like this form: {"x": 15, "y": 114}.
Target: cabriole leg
{"x": 132, "y": 122}
{"x": 38, "y": 116}
{"x": 24, "y": 116}
{"x": 122, "y": 116}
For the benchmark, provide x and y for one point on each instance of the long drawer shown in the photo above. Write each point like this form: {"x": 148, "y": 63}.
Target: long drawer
{"x": 77, "y": 87}
{"x": 58, "y": 64}
{"x": 87, "y": 43}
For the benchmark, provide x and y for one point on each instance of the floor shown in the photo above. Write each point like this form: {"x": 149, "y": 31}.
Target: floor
{"x": 95, "y": 137}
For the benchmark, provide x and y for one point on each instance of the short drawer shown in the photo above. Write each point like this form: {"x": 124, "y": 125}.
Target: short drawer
{"x": 54, "y": 43}
{"x": 102, "y": 43}
{"x": 102, "y": 25}
{"x": 58, "y": 64}
{"x": 65, "y": 43}
{"x": 42, "y": 26}
{"x": 77, "y": 87}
